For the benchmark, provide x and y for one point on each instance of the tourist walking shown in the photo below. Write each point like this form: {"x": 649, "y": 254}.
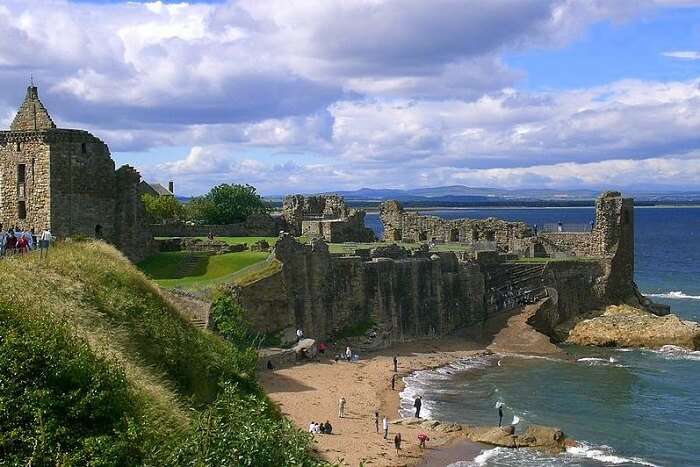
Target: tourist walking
{"x": 44, "y": 242}
{"x": 21, "y": 244}
{"x": 385, "y": 427}
{"x": 10, "y": 242}
{"x": 396, "y": 364}
{"x": 418, "y": 403}
{"x": 376, "y": 421}
{"x": 341, "y": 407}
{"x": 397, "y": 443}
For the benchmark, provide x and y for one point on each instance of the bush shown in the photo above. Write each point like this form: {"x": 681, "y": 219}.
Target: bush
{"x": 226, "y": 204}
{"x": 244, "y": 430}
{"x": 60, "y": 404}
{"x": 162, "y": 208}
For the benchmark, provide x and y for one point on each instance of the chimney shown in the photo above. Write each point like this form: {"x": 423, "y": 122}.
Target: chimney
{"x": 171, "y": 186}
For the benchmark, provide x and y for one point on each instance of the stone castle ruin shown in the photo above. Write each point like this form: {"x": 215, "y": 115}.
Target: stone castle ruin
{"x": 327, "y": 217}
{"x": 405, "y": 293}
{"x": 65, "y": 181}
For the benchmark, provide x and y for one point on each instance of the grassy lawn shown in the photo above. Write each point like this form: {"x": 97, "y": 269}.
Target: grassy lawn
{"x": 196, "y": 270}
{"x": 237, "y": 240}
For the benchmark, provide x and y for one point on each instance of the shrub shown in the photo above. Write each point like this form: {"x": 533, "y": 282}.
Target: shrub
{"x": 60, "y": 403}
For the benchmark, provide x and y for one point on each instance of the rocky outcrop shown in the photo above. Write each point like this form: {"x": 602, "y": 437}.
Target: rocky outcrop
{"x": 539, "y": 437}
{"x": 544, "y": 438}
{"x": 626, "y": 326}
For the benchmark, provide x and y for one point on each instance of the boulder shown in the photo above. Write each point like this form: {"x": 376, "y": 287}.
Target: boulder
{"x": 535, "y": 436}
{"x": 305, "y": 349}
{"x": 626, "y": 326}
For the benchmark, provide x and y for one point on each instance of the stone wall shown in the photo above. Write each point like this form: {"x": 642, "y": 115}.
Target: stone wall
{"x": 402, "y": 225}
{"x": 254, "y": 226}
{"x": 417, "y": 295}
{"x": 325, "y": 216}
{"x": 131, "y": 234}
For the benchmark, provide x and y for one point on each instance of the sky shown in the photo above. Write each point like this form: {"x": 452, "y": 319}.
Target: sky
{"x": 321, "y": 95}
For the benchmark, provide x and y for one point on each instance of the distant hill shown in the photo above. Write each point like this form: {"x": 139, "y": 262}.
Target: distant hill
{"x": 454, "y": 195}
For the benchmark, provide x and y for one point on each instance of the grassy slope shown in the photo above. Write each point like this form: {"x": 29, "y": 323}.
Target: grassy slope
{"x": 93, "y": 293}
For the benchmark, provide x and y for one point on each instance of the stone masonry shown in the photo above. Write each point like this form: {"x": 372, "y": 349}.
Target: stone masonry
{"x": 65, "y": 181}
{"x": 325, "y": 216}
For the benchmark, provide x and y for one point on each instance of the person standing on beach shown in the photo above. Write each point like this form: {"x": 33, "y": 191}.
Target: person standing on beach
{"x": 397, "y": 443}
{"x": 393, "y": 381}
{"x": 348, "y": 353}
{"x": 376, "y": 421}
{"x": 385, "y": 426}
{"x": 396, "y": 364}
{"x": 500, "y": 413}
{"x": 418, "y": 403}
{"x": 341, "y": 407}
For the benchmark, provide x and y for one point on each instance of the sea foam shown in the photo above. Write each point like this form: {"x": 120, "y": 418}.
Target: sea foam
{"x": 674, "y": 295}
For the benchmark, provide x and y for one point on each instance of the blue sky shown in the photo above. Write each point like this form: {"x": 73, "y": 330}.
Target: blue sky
{"x": 317, "y": 95}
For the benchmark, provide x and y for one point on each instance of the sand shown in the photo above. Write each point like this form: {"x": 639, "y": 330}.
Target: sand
{"x": 310, "y": 392}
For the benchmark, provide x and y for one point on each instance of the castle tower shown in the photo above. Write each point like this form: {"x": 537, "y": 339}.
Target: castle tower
{"x": 54, "y": 178}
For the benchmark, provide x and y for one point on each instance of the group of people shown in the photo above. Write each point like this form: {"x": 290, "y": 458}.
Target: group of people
{"x": 17, "y": 241}
{"x": 321, "y": 428}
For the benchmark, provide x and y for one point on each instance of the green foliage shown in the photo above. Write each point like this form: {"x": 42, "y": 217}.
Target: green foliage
{"x": 226, "y": 204}
{"x": 230, "y": 321}
{"x": 96, "y": 368}
{"x": 162, "y": 208}
{"x": 60, "y": 403}
{"x": 358, "y": 329}
{"x": 244, "y": 430}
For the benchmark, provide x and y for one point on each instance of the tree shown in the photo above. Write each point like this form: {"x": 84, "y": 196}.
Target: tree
{"x": 226, "y": 204}
{"x": 162, "y": 208}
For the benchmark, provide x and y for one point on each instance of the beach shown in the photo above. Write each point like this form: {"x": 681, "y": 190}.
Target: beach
{"x": 311, "y": 392}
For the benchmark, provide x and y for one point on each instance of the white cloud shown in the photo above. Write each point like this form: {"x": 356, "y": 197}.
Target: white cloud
{"x": 683, "y": 54}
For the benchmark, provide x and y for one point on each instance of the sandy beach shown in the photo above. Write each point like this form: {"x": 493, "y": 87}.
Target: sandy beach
{"x": 311, "y": 392}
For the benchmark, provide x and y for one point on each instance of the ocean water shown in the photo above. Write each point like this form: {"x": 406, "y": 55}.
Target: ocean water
{"x": 625, "y": 407}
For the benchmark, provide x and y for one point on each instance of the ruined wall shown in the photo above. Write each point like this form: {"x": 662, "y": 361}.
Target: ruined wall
{"x": 325, "y": 216}
{"x": 130, "y": 233}
{"x": 254, "y": 226}
{"x": 558, "y": 244}
{"x": 82, "y": 185}
{"x": 402, "y": 225}
{"x": 413, "y": 296}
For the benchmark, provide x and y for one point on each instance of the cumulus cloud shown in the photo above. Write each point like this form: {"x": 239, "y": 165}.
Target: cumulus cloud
{"x": 380, "y": 92}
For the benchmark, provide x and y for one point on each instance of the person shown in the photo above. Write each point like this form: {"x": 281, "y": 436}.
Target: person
{"x": 210, "y": 236}
{"x": 348, "y": 353}
{"x": 3, "y": 236}
{"x": 322, "y": 428}
{"x": 385, "y": 426}
{"x": 499, "y": 405}
{"x": 300, "y": 334}
{"x": 397, "y": 443}
{"x": 10, "y": 242}
{"x": 44, "y": 241}
{"x": 328, "y": 428}
{"x": 30, "y": 239}
{"x": 341, "y": 407}
{"x": 269, "y": 365}
{"x": 534, "y": 229}
{"x": 418, "y": 403}
{"x": 422, "y": 438}
{"x": 396, "y": 364}
{"x": 322, "y": 346}
{"x": 21, "y": 244}
{"x": 312, "y": 427}
{"x": 376, "y": 421}
{"x": 393, "y": 381}
{"x": 560, "y": 227}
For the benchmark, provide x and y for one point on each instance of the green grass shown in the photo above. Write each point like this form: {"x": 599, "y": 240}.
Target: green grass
{"x": 100, "y": 369}
{"x": 197, "y": 270}
{"x": 554, "y": 260}
{"x": 237, "y": 240}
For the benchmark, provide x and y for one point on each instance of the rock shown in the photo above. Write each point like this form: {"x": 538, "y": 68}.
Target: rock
{"x": 288, "y": 335}
{"x": 260, "y": 245}
{"x": 626, "y": 326}
{"x": 305, "y": 348}
{"x": 535, "y": 436}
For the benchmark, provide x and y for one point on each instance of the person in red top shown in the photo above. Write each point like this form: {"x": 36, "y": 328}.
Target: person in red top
{"x": 22, "y": 245}
{"x": 422, "y": 437}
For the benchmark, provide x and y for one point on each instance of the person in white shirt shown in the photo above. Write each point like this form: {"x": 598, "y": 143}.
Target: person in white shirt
{"x": 300, "y": 334}
{"x": 348, "y": 354}
{"x": 44, "y": 242}
{"x": 312, "y": 427}
{"x": 385, "y": 425}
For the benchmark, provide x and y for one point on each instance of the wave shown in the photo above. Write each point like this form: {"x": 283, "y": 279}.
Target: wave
{"x": 672, "y": 352}
{"x": 573, "y": 456}
{"x": 604, "y": 454}
{"x": 674, "y": 295}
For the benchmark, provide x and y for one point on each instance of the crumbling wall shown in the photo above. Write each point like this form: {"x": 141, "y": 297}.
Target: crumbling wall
{"x": 325, "y": 216}
{"x": 402, "y": 225}
{"x": 130, "y": 233}
{"x": 409, "y": 297}
{"x": 257, "y": 225}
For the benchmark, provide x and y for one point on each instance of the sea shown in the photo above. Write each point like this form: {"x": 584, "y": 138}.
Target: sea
{"x": 624, "y": 407}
